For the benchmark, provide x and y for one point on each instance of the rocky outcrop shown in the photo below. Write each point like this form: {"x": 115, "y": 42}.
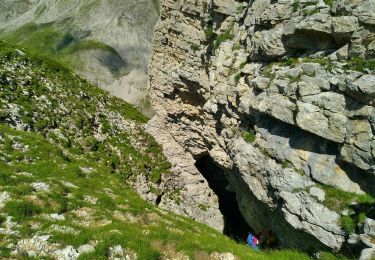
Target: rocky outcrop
{"x": 280, "y": 94}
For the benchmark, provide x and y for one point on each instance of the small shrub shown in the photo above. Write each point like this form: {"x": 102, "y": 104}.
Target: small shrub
{"x": 360, "y": 64}
{"x": 347, "y": 223}
{"x": 286, "y": 164}
{"x": 249, "y": 136}
{"x": 194, "y": 47}
{"x": 237, "y": 77}
{"x": 329, "y": 2}
{"x": 222, "y": 38}
{"x": 295, "y": 6}
{"x": 210, "y": 34}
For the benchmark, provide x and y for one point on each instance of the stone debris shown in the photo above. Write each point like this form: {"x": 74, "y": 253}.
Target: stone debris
{"x": 9, "y": 227}
{"x": 39, "y": 246}
{"x": 56, "y": 216}
{"x": 223, "y": 256}
{"x": 118, "y": 253}
{"x": 40, "y": 186}
{"x": 4, "y": 197}
{"x": 90, "y": 199}
{"x": 69, "y": 184}
{"x": 63, "y": 229}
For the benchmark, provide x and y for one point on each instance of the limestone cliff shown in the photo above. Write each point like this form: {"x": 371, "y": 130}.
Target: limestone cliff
{"x": 279, "y": 95}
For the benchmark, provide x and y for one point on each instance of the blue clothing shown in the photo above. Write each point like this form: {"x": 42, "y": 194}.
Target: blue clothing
{"x": 252, "y": 241}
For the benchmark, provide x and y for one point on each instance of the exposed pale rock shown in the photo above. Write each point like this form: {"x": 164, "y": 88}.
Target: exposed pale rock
{"x": 363, "y": 89}
{"x": 367, "y": 254}
{"x": 369, "y": 227}
{"x": 317, "y": 193}
{"x": 40, "y": 186}
{"x": 267, "y": 45}
{"x": 4, "y": 197}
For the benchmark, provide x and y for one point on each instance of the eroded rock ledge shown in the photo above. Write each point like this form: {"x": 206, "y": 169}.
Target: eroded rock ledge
{"x": 280, "y": 94}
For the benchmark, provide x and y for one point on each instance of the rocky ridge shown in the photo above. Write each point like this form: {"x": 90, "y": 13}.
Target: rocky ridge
{"x": 280, "y": 95}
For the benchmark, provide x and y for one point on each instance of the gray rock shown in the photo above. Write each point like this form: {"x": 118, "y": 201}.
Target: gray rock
{"x": 40, "y": 186}
{"x": 4, "y": 197}
{"x": 317, "y": 193}
{"x": 329, "y": 125}
{"x": 367, "y": 254}
{"x": 369, "y": 227}
{"x": 362, "y": 89}
{"x": 266, "y": 45}
{"x": 343, "y": 27}
{"x": 261, "y": 83}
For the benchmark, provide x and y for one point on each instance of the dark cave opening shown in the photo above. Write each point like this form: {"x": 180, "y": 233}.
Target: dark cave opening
{"x": 235, "y": 225}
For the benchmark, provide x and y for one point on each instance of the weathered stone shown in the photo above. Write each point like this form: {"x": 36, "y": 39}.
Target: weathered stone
{"x": 367, "y": 254}
{"x": 310, "y": 118}
{"x": 362, "y": 89}
{"x": 266, "y": 45}
{"x": 317, "y": 193}
{"x": 369, "y": 227}
{"x": 343, "y": 27}
{"x": 261, "y": 83}
{"x": 275, "y": 105}
{"x": 228, "y": 7}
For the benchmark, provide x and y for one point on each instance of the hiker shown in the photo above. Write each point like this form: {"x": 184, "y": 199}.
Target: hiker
{"x": 252, "y": 241}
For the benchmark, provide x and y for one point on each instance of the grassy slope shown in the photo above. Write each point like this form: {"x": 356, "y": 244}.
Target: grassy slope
{"x": 49, "y": 41}
{"x": 63, "y": 114}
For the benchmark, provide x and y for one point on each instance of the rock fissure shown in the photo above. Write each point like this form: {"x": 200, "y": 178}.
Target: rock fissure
{"x": 235, "y": 225}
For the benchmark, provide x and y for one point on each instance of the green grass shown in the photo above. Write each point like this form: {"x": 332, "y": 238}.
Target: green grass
{"x": 21, "y": 210}
{"x": 361, "y": 65}
{"x": 339, "y": 200}
{"x": 209, "y": 33}
{"x": 329, "y": 2}
{"x": 348, "y": 224}
{"x": 47, "y": 41}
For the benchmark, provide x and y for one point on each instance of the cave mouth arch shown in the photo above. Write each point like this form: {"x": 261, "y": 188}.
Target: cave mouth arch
{"x": 235, "y": 225}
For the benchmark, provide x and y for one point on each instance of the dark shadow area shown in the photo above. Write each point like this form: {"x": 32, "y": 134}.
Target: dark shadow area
{"x": 235, "y": 225}
{"x": 364, "y": 179}
{"x": 297, "y": 138}
{"x": 310, "y": 40}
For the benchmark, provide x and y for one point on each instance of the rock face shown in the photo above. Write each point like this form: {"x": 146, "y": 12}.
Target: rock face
{"x": 280, "y": 94}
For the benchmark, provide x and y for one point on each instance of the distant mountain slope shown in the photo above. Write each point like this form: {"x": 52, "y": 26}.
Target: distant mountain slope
{"x": 106, "y": 41}
{"x": 63, "y": 191}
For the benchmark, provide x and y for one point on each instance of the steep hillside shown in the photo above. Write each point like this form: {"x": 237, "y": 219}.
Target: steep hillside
{"x": 273, "y": 102}
{"x": 67, "y": 150}
{"x": 106, "y": 41}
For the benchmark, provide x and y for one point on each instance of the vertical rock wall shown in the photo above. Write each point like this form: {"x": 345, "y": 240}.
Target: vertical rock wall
{"x": 280, "y": 94}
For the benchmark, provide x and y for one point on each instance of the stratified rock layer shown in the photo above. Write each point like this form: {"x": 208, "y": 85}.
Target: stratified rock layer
{"x": 298, "y": 74}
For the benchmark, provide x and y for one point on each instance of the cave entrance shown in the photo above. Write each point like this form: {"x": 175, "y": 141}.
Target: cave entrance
{"x": 235, "y": 225}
